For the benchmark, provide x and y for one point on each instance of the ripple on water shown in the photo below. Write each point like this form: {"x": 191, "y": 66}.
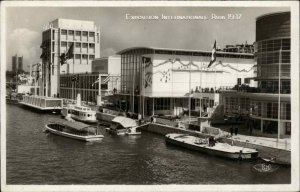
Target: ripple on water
{"x": 34, "y": 157}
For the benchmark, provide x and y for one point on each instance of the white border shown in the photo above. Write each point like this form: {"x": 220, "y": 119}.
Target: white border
{"x": 294, "y": 186}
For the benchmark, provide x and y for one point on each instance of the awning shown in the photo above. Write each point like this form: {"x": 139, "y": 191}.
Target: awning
{"x": 125, "y": 122}
{"x": 75, "y": 125}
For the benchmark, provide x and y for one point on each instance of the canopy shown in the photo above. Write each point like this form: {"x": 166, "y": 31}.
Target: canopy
{"x": 125, "y": 122}
{"x": 75, "y": 125}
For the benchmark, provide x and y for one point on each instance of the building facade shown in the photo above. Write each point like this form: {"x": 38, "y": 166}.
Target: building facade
{"x": 58, "y": 37}
{"x": 162, "y": 81}
{"x": 107, "y": 68}
{"x": 272, "y": 55}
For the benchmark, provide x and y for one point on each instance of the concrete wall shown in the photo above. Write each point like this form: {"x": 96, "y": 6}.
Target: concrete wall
{"x": 264, "y": 151}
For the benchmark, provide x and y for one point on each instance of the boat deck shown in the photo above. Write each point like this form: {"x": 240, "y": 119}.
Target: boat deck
{"x": 192, "y": 140}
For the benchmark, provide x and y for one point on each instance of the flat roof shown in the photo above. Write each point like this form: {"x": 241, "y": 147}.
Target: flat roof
{"x": 272, "y": 14}
{"x": 180, "y": 50}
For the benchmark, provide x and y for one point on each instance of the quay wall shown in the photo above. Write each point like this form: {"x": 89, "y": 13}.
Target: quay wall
{"x": 264, "y": 151}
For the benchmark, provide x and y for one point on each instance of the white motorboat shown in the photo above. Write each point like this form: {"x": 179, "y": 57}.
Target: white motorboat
{"x": 79, "y": 112}
{"x": 74, "y": 130}
{"x": 211, "y": 147}
{"x": 122, "y": 125}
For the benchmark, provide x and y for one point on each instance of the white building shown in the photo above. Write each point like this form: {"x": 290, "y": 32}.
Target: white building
{"x": 161, "y": 81}
{"x": 58, "y": 36}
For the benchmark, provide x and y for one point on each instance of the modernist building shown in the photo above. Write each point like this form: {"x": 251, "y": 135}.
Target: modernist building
{"x": 87, "y": 85}
{"x": 272, "y": 54}
{"x": 58, "y": 37}
{"x": 169, "y": 81}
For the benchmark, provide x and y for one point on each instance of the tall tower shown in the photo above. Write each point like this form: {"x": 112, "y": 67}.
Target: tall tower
{"x": 14, "y": 63}
{"x": 20, "y": 64}
{"x": 58, "y": 36}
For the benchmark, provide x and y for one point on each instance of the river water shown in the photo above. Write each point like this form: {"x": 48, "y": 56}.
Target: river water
{"x": 35, "y": 157}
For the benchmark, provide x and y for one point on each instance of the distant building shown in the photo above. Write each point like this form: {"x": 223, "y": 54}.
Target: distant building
{"x": 108, "y": 67}
{"x": 58, "y": 37}
{"x": 20, "y": 64}
{"x": 14, "y": 63}
{"x": 160, "y": 81}
{"x": 272, "y": 54}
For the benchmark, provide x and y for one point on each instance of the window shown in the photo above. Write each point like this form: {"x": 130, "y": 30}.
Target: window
{"x": 63, "y": 43}
{"x": 78, "y": 33}
{"x": 84, "y": 45}
{"x": 239, "y": 81}
{"x": 247, "y": 81}
{"x": 71, "y": 32}
{"x": 64, "y": 32}
{"x": 91, "y": 45}
{"x": 77, "y": 56}
{"x": 84, "y": 33}
{"x": 91, "y": 34}
{"x": 92, "y": 56}
{"x": 77, "y": 45}
{"x": 84, "y": 56}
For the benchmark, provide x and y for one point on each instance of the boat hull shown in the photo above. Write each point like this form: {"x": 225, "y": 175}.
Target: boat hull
{"x": 210, "y": 150}
{"x": 73, "y": 136}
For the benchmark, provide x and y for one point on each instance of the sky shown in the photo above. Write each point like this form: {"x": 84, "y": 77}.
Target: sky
{"x": 24, "y": 26}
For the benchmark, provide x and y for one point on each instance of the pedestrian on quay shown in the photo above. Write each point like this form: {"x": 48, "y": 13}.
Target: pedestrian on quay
{"x": 231, "y": 130}
{"x": 151, "y": 119}
{"x": 236, "y": 130}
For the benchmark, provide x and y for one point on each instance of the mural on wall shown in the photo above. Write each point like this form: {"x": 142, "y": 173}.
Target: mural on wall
{"x": 177, "y": 64}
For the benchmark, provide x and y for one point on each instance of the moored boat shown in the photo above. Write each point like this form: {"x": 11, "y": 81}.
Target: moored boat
{"x": 74, "y": 130}
{"x": 122, "y": 126}
{"x": 211, "y": 147}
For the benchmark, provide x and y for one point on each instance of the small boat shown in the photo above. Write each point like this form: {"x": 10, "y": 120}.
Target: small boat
{"x": 74, "y": 130}
{"x": 122, "y": 125}
{"x": 274, "y": 160}
{"x": 211, "y": 147}
{"x": 80, "y": 113}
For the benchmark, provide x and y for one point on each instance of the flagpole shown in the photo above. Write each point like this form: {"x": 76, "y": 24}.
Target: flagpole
{"x": 190, "y": 91}
{"x": 133, "y": 78}
{"x": 279, "y": 87}
{"x": 144, "y": 87}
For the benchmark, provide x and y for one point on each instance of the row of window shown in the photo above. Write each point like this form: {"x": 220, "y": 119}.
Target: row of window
{"x": 273, "y": 71}
{"x": 270, "y": 110}
{"x": 162, "y": 104}
{"x": 78, "y": 45}
{"x": 77, "y": 33}
{"x": 273, "y": 45}
{"x": 273, "y": 57}
{"x": 86, "y": 95}
{"x": 271, "y": 86}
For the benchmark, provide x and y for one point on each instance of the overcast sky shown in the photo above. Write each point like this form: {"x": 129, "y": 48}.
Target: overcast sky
{"x": 24, "y": 28}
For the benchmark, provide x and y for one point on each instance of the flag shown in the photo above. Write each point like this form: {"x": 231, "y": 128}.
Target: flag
{"x": 97, "y": 81}
{"x": 213, "y": 55}
{"x": 65, "y": 56}
{"x": 146, "y": 61}
{"x": 107, "y": 79}
{"x": 75, "y": 78}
